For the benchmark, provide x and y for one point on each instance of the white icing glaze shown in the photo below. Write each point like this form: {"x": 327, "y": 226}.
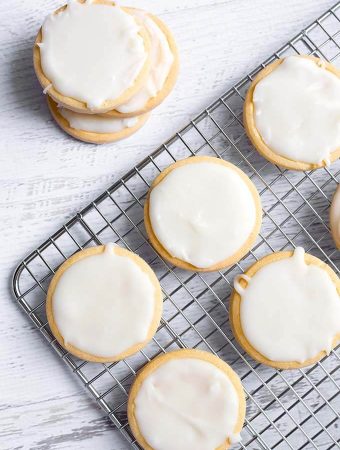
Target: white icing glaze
{"x": 91, "y": 52}
{"x": 95, "y": 123}
{"x": 290, "y": 311}
{"x": 297, "y": 110}
{"x": 202, "y": 213}
{"x": 161, "y": 62}
{"x": 104, "y": 304}
{"x": 187, "y": 404}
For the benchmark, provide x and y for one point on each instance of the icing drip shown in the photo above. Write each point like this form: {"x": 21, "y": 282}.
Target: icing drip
{"x": 290, "y": 310}
{"x": 161, "y": 62}
{"x": 187, "y": 404}
{"x": 91, "y": 52}
{"x": 297, "y": 110}
{"x": 202, "y": 213}
{"x": 235, "y": 438}
{"x": 238, "y": 288}
{"x": 104, "y": 304}
{"x": 47, "y": 88}
{"x": 96, "y": 124}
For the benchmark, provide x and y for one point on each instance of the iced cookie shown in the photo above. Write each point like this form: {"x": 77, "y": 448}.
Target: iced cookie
{"x": 285, "y": 310}
{"x": 163, "y": 70}
{"x": 93, "y": 127}
{"x": 292, "y": 110}
{"x": 202, "y": 214}
{"x": 91, "y": 56}
{"x": 186, "y": 399}
{"x": 104, "y": 304}
{"x": 335, "y": 217}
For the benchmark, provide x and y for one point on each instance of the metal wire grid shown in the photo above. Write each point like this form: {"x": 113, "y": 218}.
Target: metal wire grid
{"x": 285, "y": 409}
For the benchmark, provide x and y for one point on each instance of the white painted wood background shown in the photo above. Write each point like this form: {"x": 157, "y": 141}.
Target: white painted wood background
{"x": 46, "y": 176}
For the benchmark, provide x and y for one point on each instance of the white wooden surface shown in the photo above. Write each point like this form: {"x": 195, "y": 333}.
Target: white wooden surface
{"x": 46, "y": 176}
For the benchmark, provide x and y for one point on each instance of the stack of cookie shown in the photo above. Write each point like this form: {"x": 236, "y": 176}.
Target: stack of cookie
{"x": 104, "y": 68}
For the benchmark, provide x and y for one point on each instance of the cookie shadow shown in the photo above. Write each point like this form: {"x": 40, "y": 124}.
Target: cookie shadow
{"x": 25, "y": 90}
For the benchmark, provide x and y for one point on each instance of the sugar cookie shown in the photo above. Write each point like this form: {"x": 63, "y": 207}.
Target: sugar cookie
{"x": 163, "y": 70}
{"x": 285, "y": 310}
{"x": 94, "y": 128}
{"x": 104, "y": 304}
{"x": 202, "y": 214}
{"x": 292, "y": 110}
{"x": 91, "y": 56}
{"x": 186, "y": 399}
{"x": 334, "y": 217}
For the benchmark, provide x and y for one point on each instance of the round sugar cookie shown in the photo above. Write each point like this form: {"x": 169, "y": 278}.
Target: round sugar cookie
{"x": 115, "y": 128}
{"x": 77, "y": 89}
{"x": 137, "y": 105}
{"x": 186, "y": 399}
{"x": 285, "y": 310}
{"x": 104, "y": 304}
{"x": 202, "y": 214}
{"x": 334, "y": 216}
{"x": 291, "y": 113}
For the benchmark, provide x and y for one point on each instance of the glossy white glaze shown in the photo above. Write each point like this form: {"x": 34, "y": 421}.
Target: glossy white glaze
{"x": 95, "y": 123}
{"x": 186, "y": 404}
{"x": 161, "y": 62}
{"x": 91, "y": 52}
{"x": 202, "y": 213}
{"x": 104, "y": 304}
{"x": 290, "y": 310}
{"x": 297, "y": 110}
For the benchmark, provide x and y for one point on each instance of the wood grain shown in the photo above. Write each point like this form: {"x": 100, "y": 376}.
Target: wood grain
{"x": 46, "y": 176}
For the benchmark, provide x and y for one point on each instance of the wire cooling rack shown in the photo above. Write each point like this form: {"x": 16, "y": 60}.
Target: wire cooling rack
{"x": 296, "y": 409}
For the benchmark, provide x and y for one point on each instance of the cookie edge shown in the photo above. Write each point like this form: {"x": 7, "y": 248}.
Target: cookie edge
{"x": 170, "y": 80}
{"x": 332, "y": 223}
{"x": 131, "y": 350}
{"x": 180, "y": 354}
{"x": 78, "y": 105}
{"x": 92, "y": 137}
{"x": 253, "y": 134}
{"x": 235, "y": 303}
{"x": 237, "y": 256}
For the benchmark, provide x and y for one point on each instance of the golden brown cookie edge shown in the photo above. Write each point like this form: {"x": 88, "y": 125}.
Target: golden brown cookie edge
{"x": 184, "y": 353}
{"x": 132, "y": 350}
{"x": 231, "y": 259}
{"x": 235, "y": 303}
